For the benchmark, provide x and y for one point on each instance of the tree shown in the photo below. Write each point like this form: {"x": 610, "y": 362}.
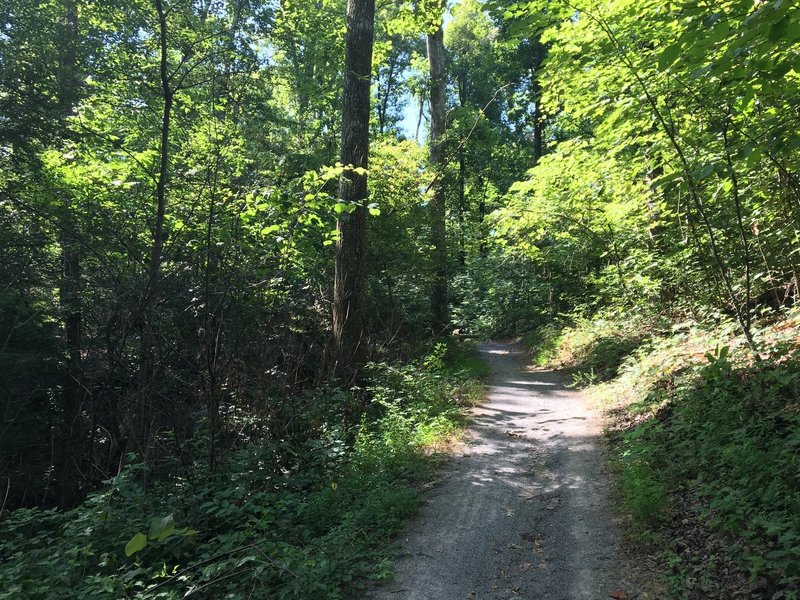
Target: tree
{"x": 391, "y": 80}
{"x": 153, "y": 272}
{"x": 439, "y": 303}
{"x": 348, "y": 289}
{"x": 72, "y": 392}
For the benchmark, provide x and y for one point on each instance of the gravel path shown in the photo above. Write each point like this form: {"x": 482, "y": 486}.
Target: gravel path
{"x": 522, "y": 511}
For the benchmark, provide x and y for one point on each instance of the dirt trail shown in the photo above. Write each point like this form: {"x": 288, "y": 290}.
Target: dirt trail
{"x": 522, "y": 512}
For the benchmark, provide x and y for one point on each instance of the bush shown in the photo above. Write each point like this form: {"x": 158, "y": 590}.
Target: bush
{"x": 703, "y": 422}
{"x": 301, "y": 517}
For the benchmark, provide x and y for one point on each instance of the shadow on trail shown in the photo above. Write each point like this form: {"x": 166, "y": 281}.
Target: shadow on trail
{"x": 521, "y": 512}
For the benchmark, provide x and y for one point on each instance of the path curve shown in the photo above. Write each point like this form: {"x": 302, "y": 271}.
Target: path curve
{"x": 522, "y": 512}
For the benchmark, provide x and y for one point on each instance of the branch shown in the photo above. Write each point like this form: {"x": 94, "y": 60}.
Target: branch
{"x": 463, "y": 142}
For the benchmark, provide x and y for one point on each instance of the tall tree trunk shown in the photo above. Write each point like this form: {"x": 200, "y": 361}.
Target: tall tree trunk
{"x": 538, "y": 118}
{"x": 462, "y": 180}
{"x": 348, "y": 286}
{"x": 482, "y": 247}
{"x": 462, "y": 208}
{"x": 214, "y": 302}
{"x": 144, "y": 413}
{"x": 68, "y": 463}
{"x": 419, "y": 117}
{"x": 384, "y": 95}
{"x": 439, "y": 310}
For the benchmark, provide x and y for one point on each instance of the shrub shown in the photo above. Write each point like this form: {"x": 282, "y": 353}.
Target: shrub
{"x": 306, "y": 516}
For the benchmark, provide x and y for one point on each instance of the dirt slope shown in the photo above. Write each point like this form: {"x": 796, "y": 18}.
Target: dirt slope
{"x": 522, "y": 512}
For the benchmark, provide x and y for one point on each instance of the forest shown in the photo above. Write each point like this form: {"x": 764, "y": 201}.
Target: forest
{"x": 247, "y": 250}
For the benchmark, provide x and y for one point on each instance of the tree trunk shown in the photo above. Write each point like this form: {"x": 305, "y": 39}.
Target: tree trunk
{"x": 419, "y": 117}
{"x": 68, "y": 464}
{"x": 384, "y": 96}
{"x": 482, "y": 247}
{"x": 214, "y": 303}
{"x": 348, "y": 286}
{"x": 462, "y": 180}
{"x": 538, "y": 118}
{"x": 143, "y": 412}
{"x": 439, "y": 310}
{"x": 462, "y": 209}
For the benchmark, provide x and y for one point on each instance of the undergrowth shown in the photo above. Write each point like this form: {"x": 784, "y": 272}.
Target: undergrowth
{"x": 286, "y": 518}
{"x": 704, "y": 433}
{"x": 593, "y": 348}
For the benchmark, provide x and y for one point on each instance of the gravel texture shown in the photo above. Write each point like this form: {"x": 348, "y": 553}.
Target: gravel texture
{"x": 522, "y": 510}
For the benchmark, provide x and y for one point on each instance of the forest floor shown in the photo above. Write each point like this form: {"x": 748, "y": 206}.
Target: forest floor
{"x": 523, "y": 509}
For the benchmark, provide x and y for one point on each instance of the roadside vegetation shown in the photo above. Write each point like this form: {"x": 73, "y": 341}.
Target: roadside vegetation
{"x": 706, "y": 446}
{"x": 309, "y": 515}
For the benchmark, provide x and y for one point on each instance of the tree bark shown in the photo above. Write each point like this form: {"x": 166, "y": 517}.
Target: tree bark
{"x": 538, "y": 118}
{"x": 384, "y": 95}
{"x": 151, "y": 293}
{"x": 439, "y": 310}
{"x": 68, "y": 463}
{"x": 462, "y": 179}
{"x": 462, "y": 208}
{"x": 482, "y": 246}
{"x": 348, "y": 286}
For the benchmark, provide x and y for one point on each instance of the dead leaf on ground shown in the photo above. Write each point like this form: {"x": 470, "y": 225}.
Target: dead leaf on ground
{"x": 619, "y": 595}
{"x": 516, "y": 434}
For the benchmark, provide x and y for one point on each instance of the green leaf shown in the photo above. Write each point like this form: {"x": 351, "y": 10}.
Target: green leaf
{"x": 779, "y": 30}
{"x": 160, "y": 529}
{"x": 739, "y": 73}
{"x": 373, "y": 209}
{"x": 754, "y": 158}
{"x": 270, "y": 229}
{"x": 668, "y": 56}
{"x": 705, "y": 171}
{"x": 744, "y": 152}
{"x": 712, "y": 19}
{"x": 136, "y": 544}
{"x": 793, "y": 33}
